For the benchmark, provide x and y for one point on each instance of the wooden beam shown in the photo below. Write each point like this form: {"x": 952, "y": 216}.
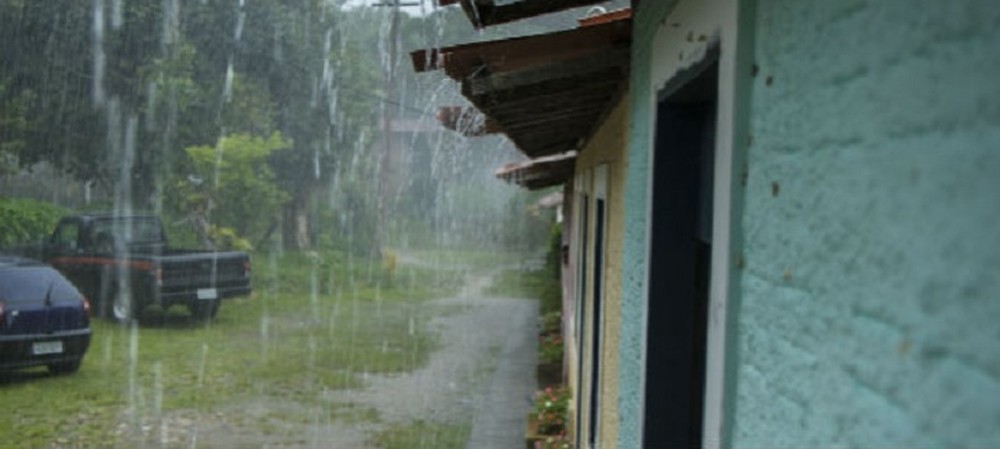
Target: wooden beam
{"x": 553, "y": 120}
{"x": 552, "y": 110}
{"x": 487, "y": 83}
{"x": 536, "y": 141}
{"x": 598, "y": 88}
{"x": 541, "y": 151}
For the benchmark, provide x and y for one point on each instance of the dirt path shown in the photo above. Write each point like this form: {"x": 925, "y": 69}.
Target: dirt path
{"x": 481, "y": 375}
{"x": 483, "y": 370}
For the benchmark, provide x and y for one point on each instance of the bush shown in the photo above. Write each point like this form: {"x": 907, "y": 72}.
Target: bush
{"x": 25, "y": 221}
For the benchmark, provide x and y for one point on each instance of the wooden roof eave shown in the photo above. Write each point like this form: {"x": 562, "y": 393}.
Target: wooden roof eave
{"x": 484, "y": 13}
{"x": 547, "y": 93}
{"x": 461, "y": 61}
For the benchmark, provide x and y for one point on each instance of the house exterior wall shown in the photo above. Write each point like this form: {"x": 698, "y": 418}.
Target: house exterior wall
{"x": 871, "y": 288}
{"x": 864, "y": 271}
{"x": 567, "y": 277}
{"x": 647, "y": 18}
{"x": 606, "y": 147}
{"x": 669, "y": 37}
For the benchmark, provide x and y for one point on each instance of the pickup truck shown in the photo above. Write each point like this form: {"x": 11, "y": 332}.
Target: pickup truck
{"x": 123, "y": 265}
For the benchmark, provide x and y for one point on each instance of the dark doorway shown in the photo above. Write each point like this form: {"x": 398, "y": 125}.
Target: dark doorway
{"x": 581, "y": 311}
{"x": 680, "y": 259}
{"x": 595, "y": 345}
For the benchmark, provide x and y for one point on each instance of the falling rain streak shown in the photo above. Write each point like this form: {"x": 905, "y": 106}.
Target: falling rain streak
{"x": 275, "y": 130}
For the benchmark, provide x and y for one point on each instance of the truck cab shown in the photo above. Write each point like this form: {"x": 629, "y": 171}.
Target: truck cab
{"x": 124, "y": 264}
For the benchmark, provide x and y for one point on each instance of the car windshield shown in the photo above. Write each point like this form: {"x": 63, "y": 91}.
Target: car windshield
{"x": 28, "y": 284}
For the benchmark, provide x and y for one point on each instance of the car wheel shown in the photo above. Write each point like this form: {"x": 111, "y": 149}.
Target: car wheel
{"x": 204, "y": 310}
{"x": 65, "y": 367}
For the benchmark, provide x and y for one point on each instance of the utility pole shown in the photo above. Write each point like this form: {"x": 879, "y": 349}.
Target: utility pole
{"x": 389, "y": 83}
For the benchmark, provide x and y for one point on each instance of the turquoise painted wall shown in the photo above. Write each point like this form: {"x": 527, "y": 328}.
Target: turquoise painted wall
{"x": 871, "y": 292}
{"x": 634, "y": 252}
{"x": 870, "y": 306}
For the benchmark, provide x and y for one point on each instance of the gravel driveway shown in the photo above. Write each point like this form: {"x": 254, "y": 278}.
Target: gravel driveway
{"x": 483, "y": 370}
{"x": 482, "y": 374}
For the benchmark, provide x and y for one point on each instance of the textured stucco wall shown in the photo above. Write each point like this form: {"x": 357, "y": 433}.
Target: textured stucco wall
{"x": 670, "y": 37}
{"x": 634, "y": 253}
{"x": 607, "y": 146}
{"x": 871, "y": 291}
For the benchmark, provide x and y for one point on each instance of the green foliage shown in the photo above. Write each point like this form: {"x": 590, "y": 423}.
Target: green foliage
{"x": 550, "y": 342}
{"x": 233, "y": 187}
{"x": 536, "y": 284}
{"x": 13, "y": 105}
{"x": 551, "y": 410}
{"x": 542, "y": 283}
{"x": 550, "y": 348}
{"x": 226, "y": 238}
{"x": 25, "y": 221}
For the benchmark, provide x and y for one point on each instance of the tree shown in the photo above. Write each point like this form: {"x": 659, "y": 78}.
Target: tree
{"x": 230, "y": 193}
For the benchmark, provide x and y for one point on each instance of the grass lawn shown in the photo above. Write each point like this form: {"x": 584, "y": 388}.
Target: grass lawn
{"x": 314, "y": 324}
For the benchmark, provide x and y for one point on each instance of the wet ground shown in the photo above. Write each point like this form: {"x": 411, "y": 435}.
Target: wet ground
{"x": 484, "y": 370}
{"x": 482, "y": 374}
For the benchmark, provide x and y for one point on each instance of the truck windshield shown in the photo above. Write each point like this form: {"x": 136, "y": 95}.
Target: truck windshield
{"x": 129, "y": 230}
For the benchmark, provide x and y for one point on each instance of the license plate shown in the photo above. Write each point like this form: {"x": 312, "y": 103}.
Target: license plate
{"x": 47, "y": 347}
{"x": 207, "y": 293}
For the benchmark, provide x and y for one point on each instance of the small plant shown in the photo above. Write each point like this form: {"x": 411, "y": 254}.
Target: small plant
{"x": 550, "y": 349}
{"x": 551, "y": 411}
{"x": 550, "y": 323}
{"x": 554, "y": 442}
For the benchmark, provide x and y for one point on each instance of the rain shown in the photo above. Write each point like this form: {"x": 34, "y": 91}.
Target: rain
{"x": 393, "y": 291}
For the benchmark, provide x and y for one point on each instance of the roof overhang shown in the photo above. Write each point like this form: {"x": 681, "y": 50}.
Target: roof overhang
{"x": 546, "y": 92}
{"x": 484, "y": 13}
{"x": 540, "y": 173}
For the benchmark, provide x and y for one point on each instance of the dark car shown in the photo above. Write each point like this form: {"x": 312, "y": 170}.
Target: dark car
{"x": 44, "y": 320}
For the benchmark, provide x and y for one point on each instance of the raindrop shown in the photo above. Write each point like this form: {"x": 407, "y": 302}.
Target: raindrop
{"x": 97, "y": 86}
{"x": 133, "y": 364}
{"x": 117, "y": 20}
{"x": 201, "y": 365}
{"x": 265, "y": 330}
{"x": 227, "y": 87}
{"x": 158, "y": 398}
{"x": 240, "y": 19}
{"x": 171, "y": 23}
{"x": 151, "y": 90}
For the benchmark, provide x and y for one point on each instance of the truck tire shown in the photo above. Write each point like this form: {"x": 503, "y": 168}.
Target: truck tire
{"x": 204, "y": 310}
